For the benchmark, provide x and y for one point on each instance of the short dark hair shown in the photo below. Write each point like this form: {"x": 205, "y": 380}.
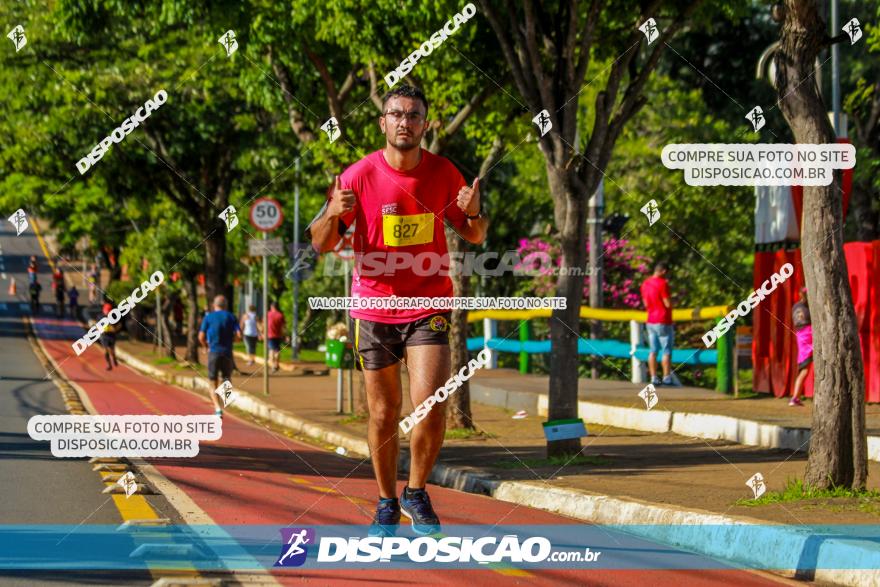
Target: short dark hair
{"x": 661, "y": 266}
{"x": 405, "y": 91}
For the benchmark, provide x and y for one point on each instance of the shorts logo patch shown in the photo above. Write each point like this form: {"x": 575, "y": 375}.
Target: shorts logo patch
{"x": 439, "y": 324}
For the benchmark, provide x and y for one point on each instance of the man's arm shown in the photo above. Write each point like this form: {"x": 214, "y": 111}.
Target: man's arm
{"x": 475, "y": 231}
{"x": 202, "y": 340}
{"x": 468, "y": 201}
{"x": 325, "y": 229}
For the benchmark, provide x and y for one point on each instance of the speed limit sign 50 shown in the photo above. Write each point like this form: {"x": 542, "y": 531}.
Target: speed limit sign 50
{"x": 266, "y": 214}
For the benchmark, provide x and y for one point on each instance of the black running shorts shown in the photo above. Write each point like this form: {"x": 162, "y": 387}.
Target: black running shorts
{"x": 379, "y": 345}
{"x": 219, "y": 364}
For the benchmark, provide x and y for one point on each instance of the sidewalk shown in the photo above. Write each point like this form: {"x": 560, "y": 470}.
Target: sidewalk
{"x": 661, "y": 468}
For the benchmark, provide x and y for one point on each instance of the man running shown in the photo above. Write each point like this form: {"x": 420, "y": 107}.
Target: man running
{"x": 59, "y": 298}
{"x": 218, "y": 331}
{"x": 35, "y": 289}
{"x": 399, "y": 198}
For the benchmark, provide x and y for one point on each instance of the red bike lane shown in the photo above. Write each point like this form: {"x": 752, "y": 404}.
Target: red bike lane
{"x": 253, "y": 475}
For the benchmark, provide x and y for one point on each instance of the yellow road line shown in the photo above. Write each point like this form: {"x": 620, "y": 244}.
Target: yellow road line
{"x": 43, "y": 245}
{"x": 135, "y": 507}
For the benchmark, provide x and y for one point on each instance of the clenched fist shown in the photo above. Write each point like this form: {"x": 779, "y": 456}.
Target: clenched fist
{"x": 342, "y": 201}
{"x": 468, "y": 198}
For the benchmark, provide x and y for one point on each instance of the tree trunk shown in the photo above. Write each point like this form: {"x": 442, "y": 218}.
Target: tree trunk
{"x": 565, "y": 324}
{"x": 114, "y": 268}
{"x": 192, "y": 317}
{"x": 838, "y": 445}
{"x": 215, "y": 265}
{"x": 458, "y": 413}
{"x": 167, "y": 333}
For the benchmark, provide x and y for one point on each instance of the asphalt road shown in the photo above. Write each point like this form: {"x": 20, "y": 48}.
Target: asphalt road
{"x": 38, "y": 488}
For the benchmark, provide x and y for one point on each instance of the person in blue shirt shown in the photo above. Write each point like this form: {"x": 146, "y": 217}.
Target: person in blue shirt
{"x": 218, "y": 331}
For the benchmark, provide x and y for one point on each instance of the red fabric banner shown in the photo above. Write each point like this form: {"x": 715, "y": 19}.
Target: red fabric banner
{"x": 774, "y": 347}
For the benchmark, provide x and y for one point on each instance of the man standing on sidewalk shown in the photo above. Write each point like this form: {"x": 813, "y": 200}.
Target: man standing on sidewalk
{"x": 219, "y": 330}
{"x": 655, "y": 295}
{"x": 399, "y": 198}
{"x": 274, "y": 334}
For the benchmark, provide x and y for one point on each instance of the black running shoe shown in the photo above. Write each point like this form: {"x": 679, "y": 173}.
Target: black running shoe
{"x": 416, "y": 504}
{"x": 387, "y": 518}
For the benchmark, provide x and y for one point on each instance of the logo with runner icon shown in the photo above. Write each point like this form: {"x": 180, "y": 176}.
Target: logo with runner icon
{"x": 439, "y": 324}
{"x": 295, "y": 550}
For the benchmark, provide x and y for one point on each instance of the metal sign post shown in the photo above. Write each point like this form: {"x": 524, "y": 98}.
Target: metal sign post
{"x": 265, "y": 320}
{"x": 294, "y": 331}
{"x": 265, "y": 216}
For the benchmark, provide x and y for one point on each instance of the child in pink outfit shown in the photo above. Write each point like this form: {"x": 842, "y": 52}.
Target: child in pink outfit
{"x": 800, "y": 316}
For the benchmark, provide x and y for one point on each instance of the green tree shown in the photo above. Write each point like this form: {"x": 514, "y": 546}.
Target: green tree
{"x": 548, "y": 48}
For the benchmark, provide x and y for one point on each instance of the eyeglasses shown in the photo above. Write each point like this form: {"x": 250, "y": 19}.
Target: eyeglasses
{"x": 397, "y": 116}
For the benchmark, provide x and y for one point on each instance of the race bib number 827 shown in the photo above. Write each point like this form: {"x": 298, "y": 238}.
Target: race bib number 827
{"x": 402, "y": 231}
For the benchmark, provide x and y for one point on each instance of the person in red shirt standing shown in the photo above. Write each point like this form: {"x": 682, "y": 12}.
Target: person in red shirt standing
{"x": 655, "y": 295}
{"x": 274, "y": 334}
{"x": 399, "y": 199}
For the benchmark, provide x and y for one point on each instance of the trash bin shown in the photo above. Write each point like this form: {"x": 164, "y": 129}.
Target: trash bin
{"x": 339, "y": 355}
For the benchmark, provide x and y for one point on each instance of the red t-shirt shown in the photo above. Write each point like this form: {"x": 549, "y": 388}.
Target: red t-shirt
{"x": 411, "y": 207}
{"x": 654, "y": 289}
{"x": 275, "y": 321}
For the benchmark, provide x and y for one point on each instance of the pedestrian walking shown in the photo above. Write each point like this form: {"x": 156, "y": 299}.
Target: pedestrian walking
{"x": 800, "y": 317}
{"x": 73, "y": 302}
{"x": 400, "y": 198}
{"x": 251, "y": 329}
{"x": 274, "y": 334}
{"x": 661, "y": 333}
{"x": 218, "y": 332}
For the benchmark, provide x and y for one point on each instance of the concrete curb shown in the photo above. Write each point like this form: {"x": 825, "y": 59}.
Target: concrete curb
{"x": 663, "y": 523}
{"x": 657, "y": 522}
{"x": 695, "y": 425}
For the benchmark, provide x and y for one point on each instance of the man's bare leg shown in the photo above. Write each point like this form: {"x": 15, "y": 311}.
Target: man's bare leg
{"x": 384, "y": 396}
{"x": 667, "y": 364}
{"x": 215, "y": 399}
{"x": 428, "y": 367}
{"x": 652, "y": 364}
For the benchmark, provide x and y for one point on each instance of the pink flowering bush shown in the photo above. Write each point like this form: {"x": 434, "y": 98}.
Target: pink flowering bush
{"x": 623, "y": 270}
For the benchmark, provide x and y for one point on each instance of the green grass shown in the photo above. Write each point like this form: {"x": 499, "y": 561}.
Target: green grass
{"x": 749, "y": 394}
{"x": 163, "y": 361}
{"x": 466, "y": 434}
{"x": 309, "y": 355}
{"x": 795, "y": 490}
{"x": 354, "y": 418}
{"x": 552, "y": 462}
